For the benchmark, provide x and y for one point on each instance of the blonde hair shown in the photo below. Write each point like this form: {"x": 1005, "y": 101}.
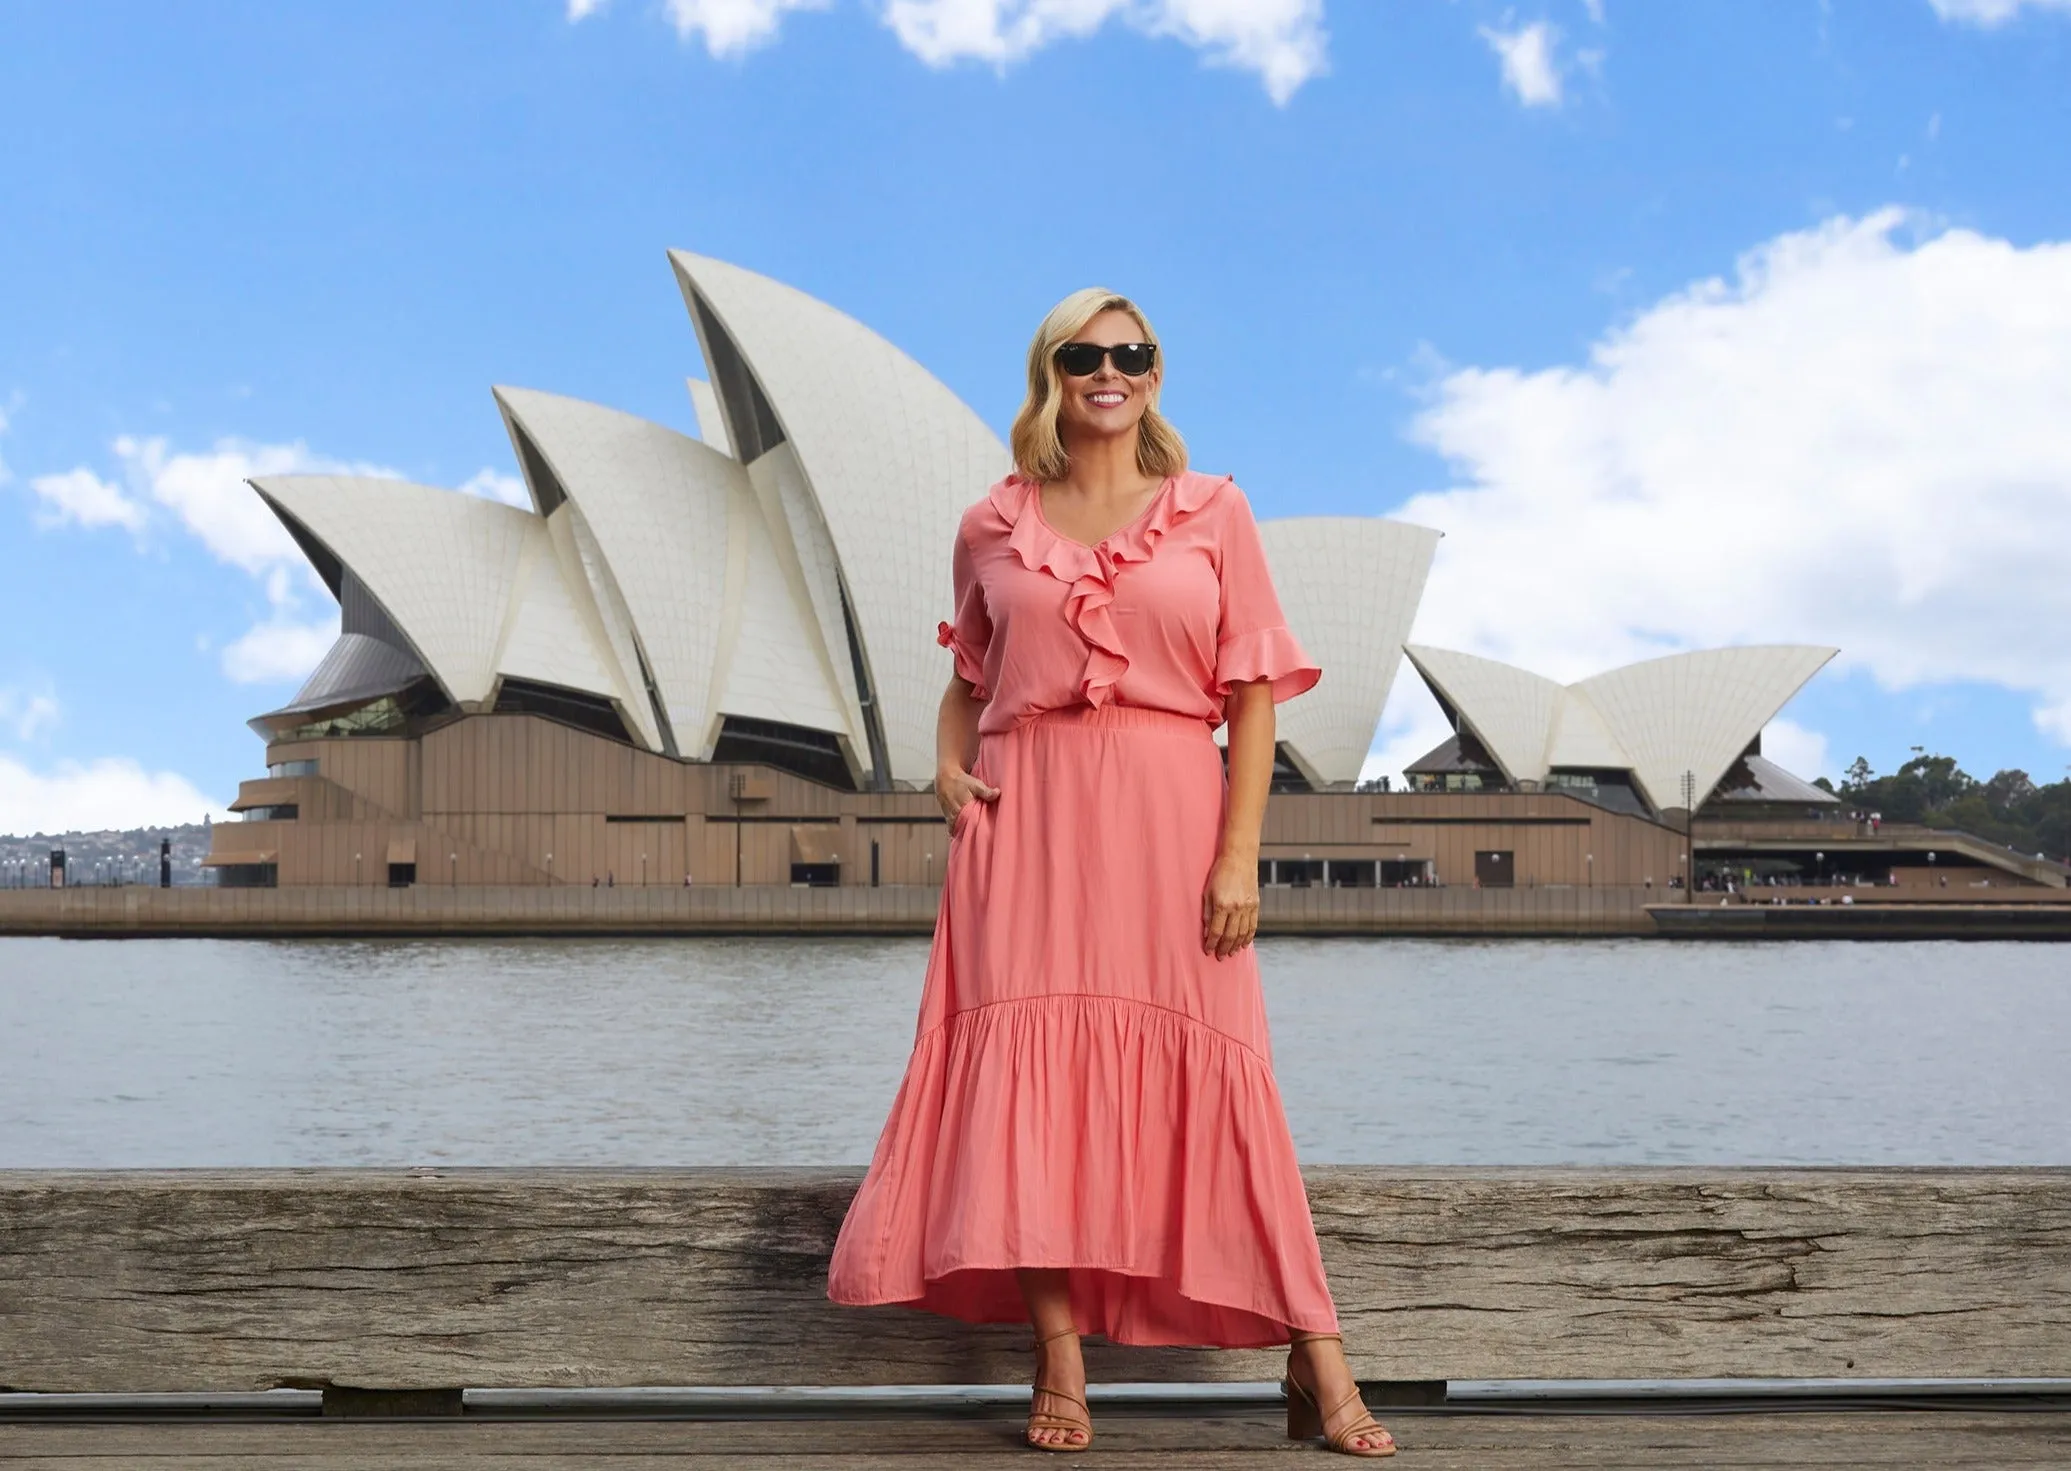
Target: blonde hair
{"x": 1039, "y": 453}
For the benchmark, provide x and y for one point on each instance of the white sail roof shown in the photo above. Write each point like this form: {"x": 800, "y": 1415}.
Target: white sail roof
{"x": 442, "y": 565}
{"x": 892, "y": 457}
{"x": 1349, "y": 586}
{"x": 711, "y": 421}
{"x": 1696, "y": 712}
{"x": 656, "y": 502}
{"x": 1691, "y": 713}
{"x": 1509, "y": 710}
{"x": 722, "y": 616}
{"x": 546, "y": 638}
{"x": 770, "y": 666}
{"x": 792, "y": 566}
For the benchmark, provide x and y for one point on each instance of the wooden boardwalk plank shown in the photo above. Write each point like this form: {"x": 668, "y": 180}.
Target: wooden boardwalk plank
{"x": 130, "y": 1281}
{"x": 1432, "y": 1442}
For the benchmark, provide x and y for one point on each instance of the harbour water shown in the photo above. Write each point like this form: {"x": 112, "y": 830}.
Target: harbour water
{"x": 787, "y": 1051}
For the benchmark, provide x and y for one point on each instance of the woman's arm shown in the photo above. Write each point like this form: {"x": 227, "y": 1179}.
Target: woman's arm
{"x": 956, "y": 749}
{"x": 1229, "y": 903}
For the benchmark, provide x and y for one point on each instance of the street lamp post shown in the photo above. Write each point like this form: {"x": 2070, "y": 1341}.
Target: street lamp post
{"x": 1821, "y": 859}
{"x": 736, "y": 786}
{"x": 1689, "y": 837}
{"x": 453, "y": 860}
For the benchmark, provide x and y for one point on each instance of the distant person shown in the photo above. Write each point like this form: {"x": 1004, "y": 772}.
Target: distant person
{"x": 1111, "y": 610}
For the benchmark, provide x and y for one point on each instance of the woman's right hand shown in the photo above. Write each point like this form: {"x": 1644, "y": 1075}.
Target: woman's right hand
{"x": 955, "y": 788}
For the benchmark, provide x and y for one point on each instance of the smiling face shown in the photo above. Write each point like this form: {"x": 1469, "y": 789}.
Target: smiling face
{"x": 1106, "y": 403}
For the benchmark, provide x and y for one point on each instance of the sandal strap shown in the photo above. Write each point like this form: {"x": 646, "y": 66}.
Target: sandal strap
{"x": 1064, "y": 1394}
{"x": 1366, "y": 1424}
{"x": 1050, "y": 1419}
{"x": 1042, "y": 1417}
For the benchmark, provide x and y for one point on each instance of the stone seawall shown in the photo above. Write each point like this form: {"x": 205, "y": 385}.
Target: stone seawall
{"x": 430, "y": 909}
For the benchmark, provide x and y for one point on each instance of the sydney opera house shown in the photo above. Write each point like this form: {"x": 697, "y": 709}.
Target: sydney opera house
{"x": 712, "y": 660}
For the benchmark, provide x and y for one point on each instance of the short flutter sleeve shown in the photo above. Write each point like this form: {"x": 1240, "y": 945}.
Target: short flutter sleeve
{"x": 1253, "y": 640}
{"x": 968, "y": 637}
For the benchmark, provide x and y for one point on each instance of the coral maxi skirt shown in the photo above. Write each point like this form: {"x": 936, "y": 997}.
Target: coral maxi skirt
{"x": 1088, "y": 1089}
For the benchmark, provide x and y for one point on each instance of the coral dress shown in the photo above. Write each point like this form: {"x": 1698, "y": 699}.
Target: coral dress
{"x": 1088, "y": 1089}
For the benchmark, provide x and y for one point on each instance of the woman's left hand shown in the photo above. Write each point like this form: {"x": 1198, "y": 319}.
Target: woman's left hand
{"x": 1229, "y": 907}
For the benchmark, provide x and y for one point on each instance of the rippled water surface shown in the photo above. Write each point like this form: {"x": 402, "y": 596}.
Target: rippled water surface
{"x": 188, "y": 1052}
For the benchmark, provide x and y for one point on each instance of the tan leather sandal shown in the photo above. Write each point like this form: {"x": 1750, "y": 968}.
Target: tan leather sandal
{"x": 1306, "y": 1420}
{"x": 1040, "y": 1418}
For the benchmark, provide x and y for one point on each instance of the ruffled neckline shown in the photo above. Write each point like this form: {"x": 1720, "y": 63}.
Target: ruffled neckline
{"x": 1042, "y": 548}
{"x": 1089, "y": 571}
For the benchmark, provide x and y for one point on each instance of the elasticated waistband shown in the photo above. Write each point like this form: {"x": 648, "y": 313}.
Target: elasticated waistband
{"x": 1118, "y": 717}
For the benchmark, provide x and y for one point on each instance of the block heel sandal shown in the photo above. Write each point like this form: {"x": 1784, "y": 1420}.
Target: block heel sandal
{"x": 1307, "y": 1420}
{"x": 1042, "y": 1418}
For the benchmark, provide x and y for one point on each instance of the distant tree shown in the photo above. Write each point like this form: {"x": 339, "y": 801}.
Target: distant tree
{"x": 1936, "y": 791}
{"x": 2007, "y": 790}
{"x": 1939, "y": 780}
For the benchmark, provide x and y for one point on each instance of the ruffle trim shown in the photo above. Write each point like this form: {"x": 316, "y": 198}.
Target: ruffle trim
{"x": 968, "y": 666}
{"x": 1265, "y": 653}
{"x": 1090, "y": 571}
{"x": 1129, "y": 1143}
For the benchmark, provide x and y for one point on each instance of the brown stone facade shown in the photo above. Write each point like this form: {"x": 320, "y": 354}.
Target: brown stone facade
{"x": 521, "y": 800}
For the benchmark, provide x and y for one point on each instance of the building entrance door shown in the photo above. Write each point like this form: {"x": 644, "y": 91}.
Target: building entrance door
{"x": 1496, "y": 870}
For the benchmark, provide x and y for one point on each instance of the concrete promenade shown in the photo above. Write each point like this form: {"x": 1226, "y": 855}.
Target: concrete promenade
{"x": 431, "y": 909}
{"x": 909, "y": 909}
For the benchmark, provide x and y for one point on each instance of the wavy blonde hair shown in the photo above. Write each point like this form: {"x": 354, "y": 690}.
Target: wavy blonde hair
{"x": 1039, "y": 453}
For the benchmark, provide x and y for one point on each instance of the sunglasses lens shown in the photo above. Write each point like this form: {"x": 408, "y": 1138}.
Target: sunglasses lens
{"x": 1080, "y": 359}
{"x": 1133, "y": 359}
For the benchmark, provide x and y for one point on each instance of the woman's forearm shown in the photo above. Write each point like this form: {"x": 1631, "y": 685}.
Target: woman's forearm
{"x": 1249, "y": 711}
{"x": 956, "y": 727}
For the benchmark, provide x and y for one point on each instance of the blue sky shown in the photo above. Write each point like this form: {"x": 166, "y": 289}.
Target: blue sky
{"x": 1705, "y": 323}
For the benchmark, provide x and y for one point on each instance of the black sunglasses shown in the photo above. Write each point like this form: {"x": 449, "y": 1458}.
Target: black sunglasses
{"x": 1131, "y": 359}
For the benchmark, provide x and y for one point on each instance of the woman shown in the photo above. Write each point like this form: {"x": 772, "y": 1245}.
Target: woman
{"x": 1089, "y": 1137}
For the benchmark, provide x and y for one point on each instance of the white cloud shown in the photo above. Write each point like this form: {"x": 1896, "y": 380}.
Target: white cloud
{"x": 1596, "y": 11}
{"x": 730, "y": 27}
{"x": 113, "y": 792}
{"x": 1282, "y": 41}
{"x": 1796, "y": 749}
{"x": 494, "y": 485}
{"x": 1859, "y": 440}
{"x": 206, "y": 492}
{"x": 278, "y": 649}
{"x": 28, "y": 714}
{"x": 1529, "y": 70}
{"x": 1990, "y": 13}
{"x": 81, "y": 498}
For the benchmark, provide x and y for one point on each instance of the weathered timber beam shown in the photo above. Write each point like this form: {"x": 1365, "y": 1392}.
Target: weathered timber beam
{"x": 249, "y": 1279}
